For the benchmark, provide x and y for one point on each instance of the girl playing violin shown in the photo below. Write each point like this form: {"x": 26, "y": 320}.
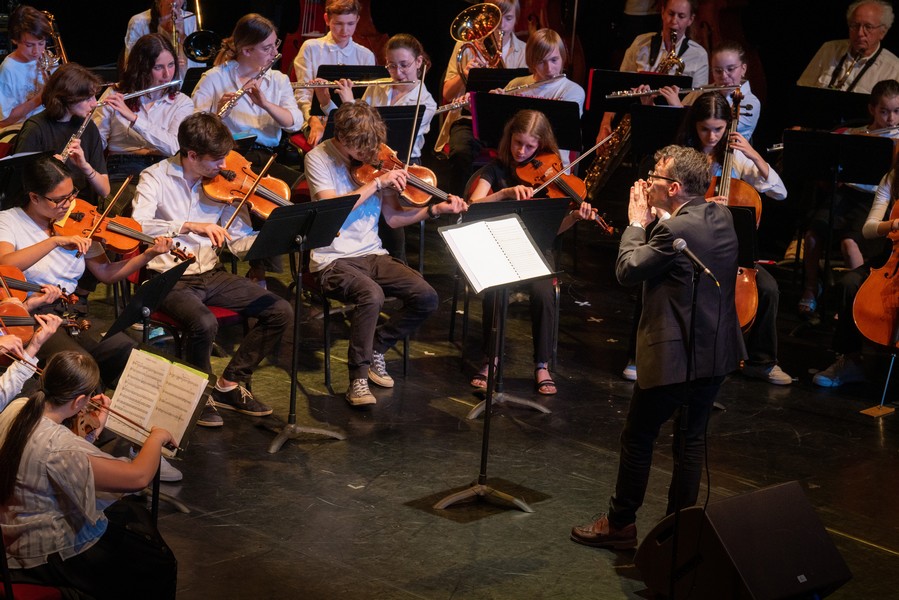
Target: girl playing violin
{"x": 851, "y": 204}
{"x": 526, "y": 135}
{"x": 55, "y": 487}
{"x": 141, "y": 131}
{"x": 269, "y": 106}
{"x": 405, "y": 60}
{"x": 69, "y": 97}
{"x": 705, "y": 129}
{"x": 21, "y": 74}
{"x": 29, "y": 242}
{"x": 23, "y": 357}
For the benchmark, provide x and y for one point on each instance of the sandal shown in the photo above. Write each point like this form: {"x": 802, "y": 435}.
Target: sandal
{"x": 479, "y": 379}
{"x": 545, "y": 387}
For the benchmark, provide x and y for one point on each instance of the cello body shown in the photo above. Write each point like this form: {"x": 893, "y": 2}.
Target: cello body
{"x": 876, "y": 306}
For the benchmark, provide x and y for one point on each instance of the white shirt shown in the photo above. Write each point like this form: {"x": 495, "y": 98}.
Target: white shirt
{"x": 139, "y": 25}
{"x": 323, "y": 51}
{"x": 156, "y": 128}
{"x": 749, "y": 117}
{"x": 246, "y": 117}
{"x": 513, "y": 56}
{"x": 54, "y": 506}
{"x": 327, "y": 169}
{"x": 164, "y": 201}
{"x": 59, "y": 266}
{"x": 820, "y": 70}
{"x": 557, "y": 89}
{"x": 878, "y": 208}
{"x": 13, "y": 378}
{"x": 745, "y": 169}
{"x": 637, "y": 59}
{"x": 386, "y": 95}
{"x": 19, "y": 82}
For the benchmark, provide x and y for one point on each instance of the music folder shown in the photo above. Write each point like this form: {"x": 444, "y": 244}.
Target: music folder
{"x": 821, "y": 108}
{"x": 490, "y": 112}
{"x": 398, "y": 120}
{"x": 602, "y": 83}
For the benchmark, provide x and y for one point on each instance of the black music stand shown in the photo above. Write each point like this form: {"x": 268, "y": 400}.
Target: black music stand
{"x": 484, "y": 80}
{"x": 398, "y": 120}
{"x": 480, "y": 489}
{"x": 602, "y": 83}
{"x": 834, "y": 158}
{"x": 653, "y": 128}
{"x": 191, "y": 79}
{"x": 292, "y": 229}
{"x": 489, "y": 113}
{"x": 11, "y": 173}
{"x": 541, "y": 219}
{"x": 821, "y": 108}
{"x": 352, "y": 72}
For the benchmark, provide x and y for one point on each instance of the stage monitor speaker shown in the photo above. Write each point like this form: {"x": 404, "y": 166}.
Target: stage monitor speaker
{"x": 764, "y": 545}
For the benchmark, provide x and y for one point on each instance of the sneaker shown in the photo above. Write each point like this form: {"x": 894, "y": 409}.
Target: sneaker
{"x": 240, "y": 399}
{"x": 773, "y": 374}
{"x": 358, "y": 393}
{"x": 377, "y": 372}
{"x": 602, "y": 534}
{"x": 630, "y": 371}
{"x": 846, "y": 369}
{"x": 167, "y": 472}
{"x": 210, "y": 417}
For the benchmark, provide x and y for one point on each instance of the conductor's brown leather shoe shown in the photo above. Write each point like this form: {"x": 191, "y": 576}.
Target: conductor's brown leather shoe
{"x": 602, "y": 534}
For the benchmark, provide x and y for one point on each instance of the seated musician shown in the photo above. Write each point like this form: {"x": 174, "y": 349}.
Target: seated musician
{"x": 22, "y": 75}
{"x": 547, "y": 57}
{"x": 526, "y": 135}
{"x": 141, "y": 131}
{"x": 49, "y": 258}
{"x": 170, "y": 200}
{"x": 650, "y": 51}
{"x": 405, "y": 60}
{"x": 355, "y": 267}
{"x": 706, "y": 129}
{"x": 851, "y": 205}
{"x": 55, "y": 487}
{"x": 337, "y": 47}
{"x": 456, "y": 130}
{"x": 69, "y": 97}
{"x": 728, "y": 67}
{"x": 847, "y": 340}
{"x": 158, "y": 19}
{"x": 856, "y": 64}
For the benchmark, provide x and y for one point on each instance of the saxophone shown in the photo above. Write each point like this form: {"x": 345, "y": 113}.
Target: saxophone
{"x": 610, "y": 155}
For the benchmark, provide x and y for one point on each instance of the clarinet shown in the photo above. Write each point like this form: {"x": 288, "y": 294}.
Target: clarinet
{"x": 226, "y": 109}
{"x": 77, "y": 135}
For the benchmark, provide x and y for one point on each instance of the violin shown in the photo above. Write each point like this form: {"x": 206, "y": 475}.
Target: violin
{"x": 739, "y": 193}
{"x": 120, "y": 234}
{"x": 547, "y": 168}
{"x": 876, "y": 306}
{"x": 18, "y": 286}
{"x": 86, "y": 423}
{"x": 421, "y": 180}
{"x": 234, "y": 181}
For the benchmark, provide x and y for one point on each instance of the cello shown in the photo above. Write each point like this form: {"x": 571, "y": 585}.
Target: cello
{"x": 739, "y": 193}
{"x": 876, "y": 306}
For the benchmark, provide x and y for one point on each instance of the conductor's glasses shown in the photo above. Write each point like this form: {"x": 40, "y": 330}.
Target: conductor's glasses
{"x": 652, "y": 175}
{"x": 866, "y": 27}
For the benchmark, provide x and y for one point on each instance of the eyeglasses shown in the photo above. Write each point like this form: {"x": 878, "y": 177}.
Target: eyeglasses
{"x": 652, "y": 175}
{"x": 65, "y": 198}
{"x": 866, "y": 27}
{"x": 729, "y": 69}
{"x": 269, "y": 47}
{"x": 395, "y": 66}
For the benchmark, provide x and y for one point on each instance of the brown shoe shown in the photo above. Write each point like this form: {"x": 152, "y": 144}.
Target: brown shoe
{"x": 601, "y": 534}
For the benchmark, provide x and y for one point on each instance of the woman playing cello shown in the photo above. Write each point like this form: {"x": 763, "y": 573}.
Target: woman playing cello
{"x": 526, "y": 135}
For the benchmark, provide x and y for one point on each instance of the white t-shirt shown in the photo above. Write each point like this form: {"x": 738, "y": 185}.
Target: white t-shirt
{"x": 327, "y": 169}
{"x": 19, "y": 82}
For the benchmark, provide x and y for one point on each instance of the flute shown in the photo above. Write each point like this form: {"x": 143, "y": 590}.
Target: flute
{"x": 149, "y": 90}
{"x": 309, "y": 85}
{"x": 633, "y": 94}
{"x": 227, "y": 107}
{"x": 511, "y": 91}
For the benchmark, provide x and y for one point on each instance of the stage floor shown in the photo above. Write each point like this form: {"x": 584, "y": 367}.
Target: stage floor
{"x": 323, "y": 518}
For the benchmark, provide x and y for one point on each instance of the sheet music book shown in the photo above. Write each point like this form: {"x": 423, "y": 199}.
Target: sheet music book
{"x": 495, "y": 252}
{"x": 157, "y": 392}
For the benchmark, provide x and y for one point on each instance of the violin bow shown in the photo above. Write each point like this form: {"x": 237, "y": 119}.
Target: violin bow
{"x": 96, "y": 405}
{"x": 574, "y": 163}
{"x": 421, "y": 84}
{"x": 252, "y": 189}
{"x": 109, "y": 207}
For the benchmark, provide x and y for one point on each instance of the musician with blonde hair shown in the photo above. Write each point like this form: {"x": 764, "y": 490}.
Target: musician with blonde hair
{"x": 22, "y": 76}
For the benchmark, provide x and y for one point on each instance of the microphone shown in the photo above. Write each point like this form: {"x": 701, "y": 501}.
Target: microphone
{"x": 680, "y": 246}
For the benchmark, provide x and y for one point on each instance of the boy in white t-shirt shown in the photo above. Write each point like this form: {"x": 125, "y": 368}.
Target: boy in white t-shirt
{"x": 21, "y": 75}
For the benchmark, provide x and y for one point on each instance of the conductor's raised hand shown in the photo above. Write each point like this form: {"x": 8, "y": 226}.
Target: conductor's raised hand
{"x": 638, "y": 209}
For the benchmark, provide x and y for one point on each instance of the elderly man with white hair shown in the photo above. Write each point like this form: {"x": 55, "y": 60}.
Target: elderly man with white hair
{"x": 856, "y": 64}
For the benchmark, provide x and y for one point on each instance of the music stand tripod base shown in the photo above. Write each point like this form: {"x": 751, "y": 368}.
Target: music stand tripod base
{"x": 292, "y": 431}
{"x": 481, "y": 490}
{"x": 501, "y": 398}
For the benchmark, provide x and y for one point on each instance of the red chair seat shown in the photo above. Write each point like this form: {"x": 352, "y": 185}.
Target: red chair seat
{"x": 225, "y": 316}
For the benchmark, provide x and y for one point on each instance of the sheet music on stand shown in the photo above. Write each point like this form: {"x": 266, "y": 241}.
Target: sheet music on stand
{"x": 495, "y": 252}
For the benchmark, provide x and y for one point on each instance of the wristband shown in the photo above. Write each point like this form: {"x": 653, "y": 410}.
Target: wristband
{"x": 431, "y": 212}
{"x": 378, "y": 183}
{"x": 92, "y": 175}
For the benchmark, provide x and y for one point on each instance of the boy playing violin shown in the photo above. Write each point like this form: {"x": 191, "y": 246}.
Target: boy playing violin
{"x": 170, "y": 201}
{"x": 355, "y": 267}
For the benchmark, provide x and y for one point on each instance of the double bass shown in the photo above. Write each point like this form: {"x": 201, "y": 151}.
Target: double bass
{"x": 876, "y": 306}
{"x": 739, "y": 193}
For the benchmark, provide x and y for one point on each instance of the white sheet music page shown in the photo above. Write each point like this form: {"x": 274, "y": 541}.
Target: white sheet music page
{"x": 494, "y": 252}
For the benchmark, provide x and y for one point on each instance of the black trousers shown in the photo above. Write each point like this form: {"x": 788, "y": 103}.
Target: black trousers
{"x": 543, "y": 301}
